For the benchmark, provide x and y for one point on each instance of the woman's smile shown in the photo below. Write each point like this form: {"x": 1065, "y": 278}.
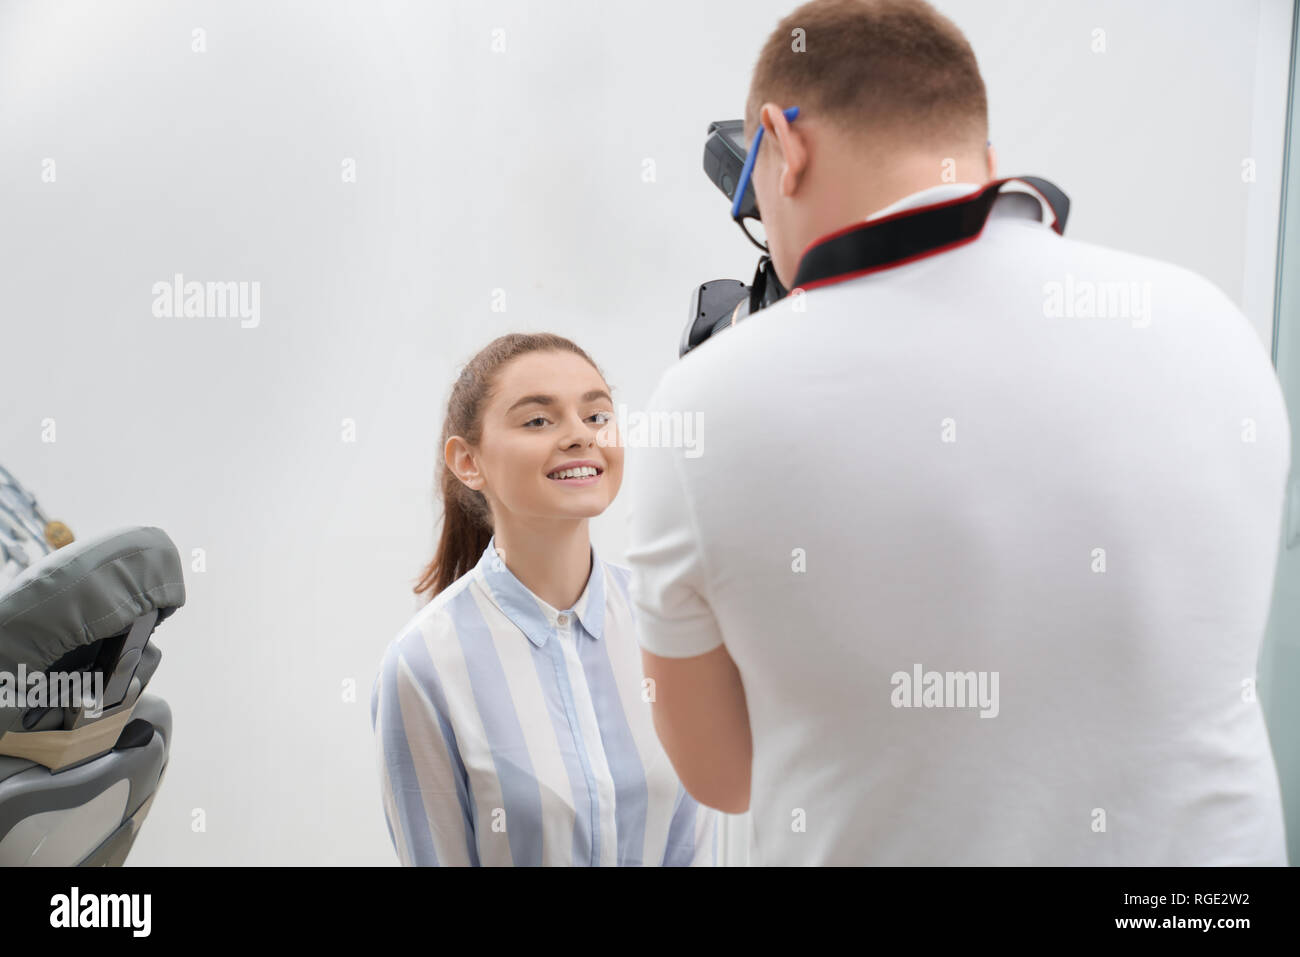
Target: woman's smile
{"x": 577, "y": 475}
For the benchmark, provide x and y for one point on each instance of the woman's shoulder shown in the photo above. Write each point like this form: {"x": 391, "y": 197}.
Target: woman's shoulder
{"x": 433, "y": 621}
{"x": 622, "y": 572}
{"x": 413, "y": 654}
{"x": 618, "y": 591}
{"x": 619, "y": 578}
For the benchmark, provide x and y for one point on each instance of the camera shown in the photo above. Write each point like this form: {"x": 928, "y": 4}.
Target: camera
{"x": 869, "y": 245}
{"x": 722, "y": 303}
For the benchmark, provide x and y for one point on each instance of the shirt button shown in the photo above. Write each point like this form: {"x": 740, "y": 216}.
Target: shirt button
{"x": 563, "y": 619}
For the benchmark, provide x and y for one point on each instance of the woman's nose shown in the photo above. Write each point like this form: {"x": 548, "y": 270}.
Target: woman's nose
{"x": 578, "y": 433}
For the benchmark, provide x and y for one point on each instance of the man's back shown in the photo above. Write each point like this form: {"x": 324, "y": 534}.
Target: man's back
{"x": 995, "y": 569}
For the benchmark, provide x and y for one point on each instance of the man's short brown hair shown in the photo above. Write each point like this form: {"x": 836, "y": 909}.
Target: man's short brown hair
{"x": 891, "y": 70}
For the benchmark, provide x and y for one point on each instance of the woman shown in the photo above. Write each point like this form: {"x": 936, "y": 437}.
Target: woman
{"x": 509, "y": 711}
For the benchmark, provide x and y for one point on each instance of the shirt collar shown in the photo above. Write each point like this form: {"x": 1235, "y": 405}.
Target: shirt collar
{"x": 1014, "y": 200}
{"x": 534, "y": 617}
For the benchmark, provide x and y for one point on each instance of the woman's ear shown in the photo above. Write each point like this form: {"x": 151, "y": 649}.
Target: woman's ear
{"x": 456, "y": 454}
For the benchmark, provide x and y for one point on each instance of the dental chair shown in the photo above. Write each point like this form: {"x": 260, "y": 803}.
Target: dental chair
{"x": 77, "y": 780}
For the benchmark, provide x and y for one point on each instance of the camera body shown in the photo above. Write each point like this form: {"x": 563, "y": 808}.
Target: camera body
{"x": 721, "y": 303}
{"x": 724, "y": 158}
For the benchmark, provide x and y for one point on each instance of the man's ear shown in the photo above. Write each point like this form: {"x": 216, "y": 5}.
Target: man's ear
{"x": 788, "y": 143}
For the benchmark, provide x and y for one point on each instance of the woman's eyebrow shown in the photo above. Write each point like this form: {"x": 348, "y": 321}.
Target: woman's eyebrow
{"x": 550, "y": 399}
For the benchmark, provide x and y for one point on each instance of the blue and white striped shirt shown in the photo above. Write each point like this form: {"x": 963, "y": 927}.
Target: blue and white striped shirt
{"x": 512, "y": 733}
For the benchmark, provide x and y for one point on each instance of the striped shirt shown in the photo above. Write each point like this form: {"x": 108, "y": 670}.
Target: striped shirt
{"x": 513, "y": 733}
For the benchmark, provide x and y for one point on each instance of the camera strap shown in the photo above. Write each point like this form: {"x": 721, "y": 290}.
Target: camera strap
{"x": 912, "y": 234}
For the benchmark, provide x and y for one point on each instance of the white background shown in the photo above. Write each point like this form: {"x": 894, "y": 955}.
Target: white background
{"x": 520, "y": 171}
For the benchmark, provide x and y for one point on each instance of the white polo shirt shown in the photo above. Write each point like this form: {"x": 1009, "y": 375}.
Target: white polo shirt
{"x": 992, "y": 555}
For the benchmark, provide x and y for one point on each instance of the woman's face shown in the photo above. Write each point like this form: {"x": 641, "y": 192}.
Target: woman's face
{"x": 548, "y": 410}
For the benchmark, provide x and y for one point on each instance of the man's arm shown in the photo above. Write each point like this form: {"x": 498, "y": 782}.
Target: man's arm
{"x": 698, "y": 706}
{"x": 702, "y": 720}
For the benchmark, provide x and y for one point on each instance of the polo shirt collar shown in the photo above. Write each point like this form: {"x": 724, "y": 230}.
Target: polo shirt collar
{"x": 534, "y": 617}
{"x": 1014, "y": 201}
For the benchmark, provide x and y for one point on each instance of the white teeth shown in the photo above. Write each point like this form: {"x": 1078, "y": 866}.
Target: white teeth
{"x": 585, "y": 471}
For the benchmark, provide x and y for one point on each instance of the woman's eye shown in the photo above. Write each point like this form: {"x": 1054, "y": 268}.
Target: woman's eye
{"x": 607, "y": 417}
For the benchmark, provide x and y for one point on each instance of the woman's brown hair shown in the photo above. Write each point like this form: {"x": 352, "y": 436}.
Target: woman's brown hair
{"x": 466, "y": 517}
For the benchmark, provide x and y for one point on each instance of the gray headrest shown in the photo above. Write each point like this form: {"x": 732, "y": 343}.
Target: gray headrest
{"x": 85, "y": 591}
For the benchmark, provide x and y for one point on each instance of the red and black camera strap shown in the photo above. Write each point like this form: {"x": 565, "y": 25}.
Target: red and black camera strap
{"x": 912, "y": 234}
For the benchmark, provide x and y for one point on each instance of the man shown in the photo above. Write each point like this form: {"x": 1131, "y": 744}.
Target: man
{"x": 974, "y": 561}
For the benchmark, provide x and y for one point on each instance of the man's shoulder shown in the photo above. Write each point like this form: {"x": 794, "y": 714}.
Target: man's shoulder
{"x": 1128, "y": 260}
{"x": 741, "y": 360}
{"x": 725, "y": 364}
{"x": 1176, "y": 283}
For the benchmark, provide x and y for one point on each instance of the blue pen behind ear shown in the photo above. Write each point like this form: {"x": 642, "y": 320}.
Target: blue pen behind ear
{"x": 748, "y": 168}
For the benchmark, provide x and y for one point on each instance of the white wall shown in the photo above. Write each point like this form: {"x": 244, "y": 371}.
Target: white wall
{"x": 476, "y": 170}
